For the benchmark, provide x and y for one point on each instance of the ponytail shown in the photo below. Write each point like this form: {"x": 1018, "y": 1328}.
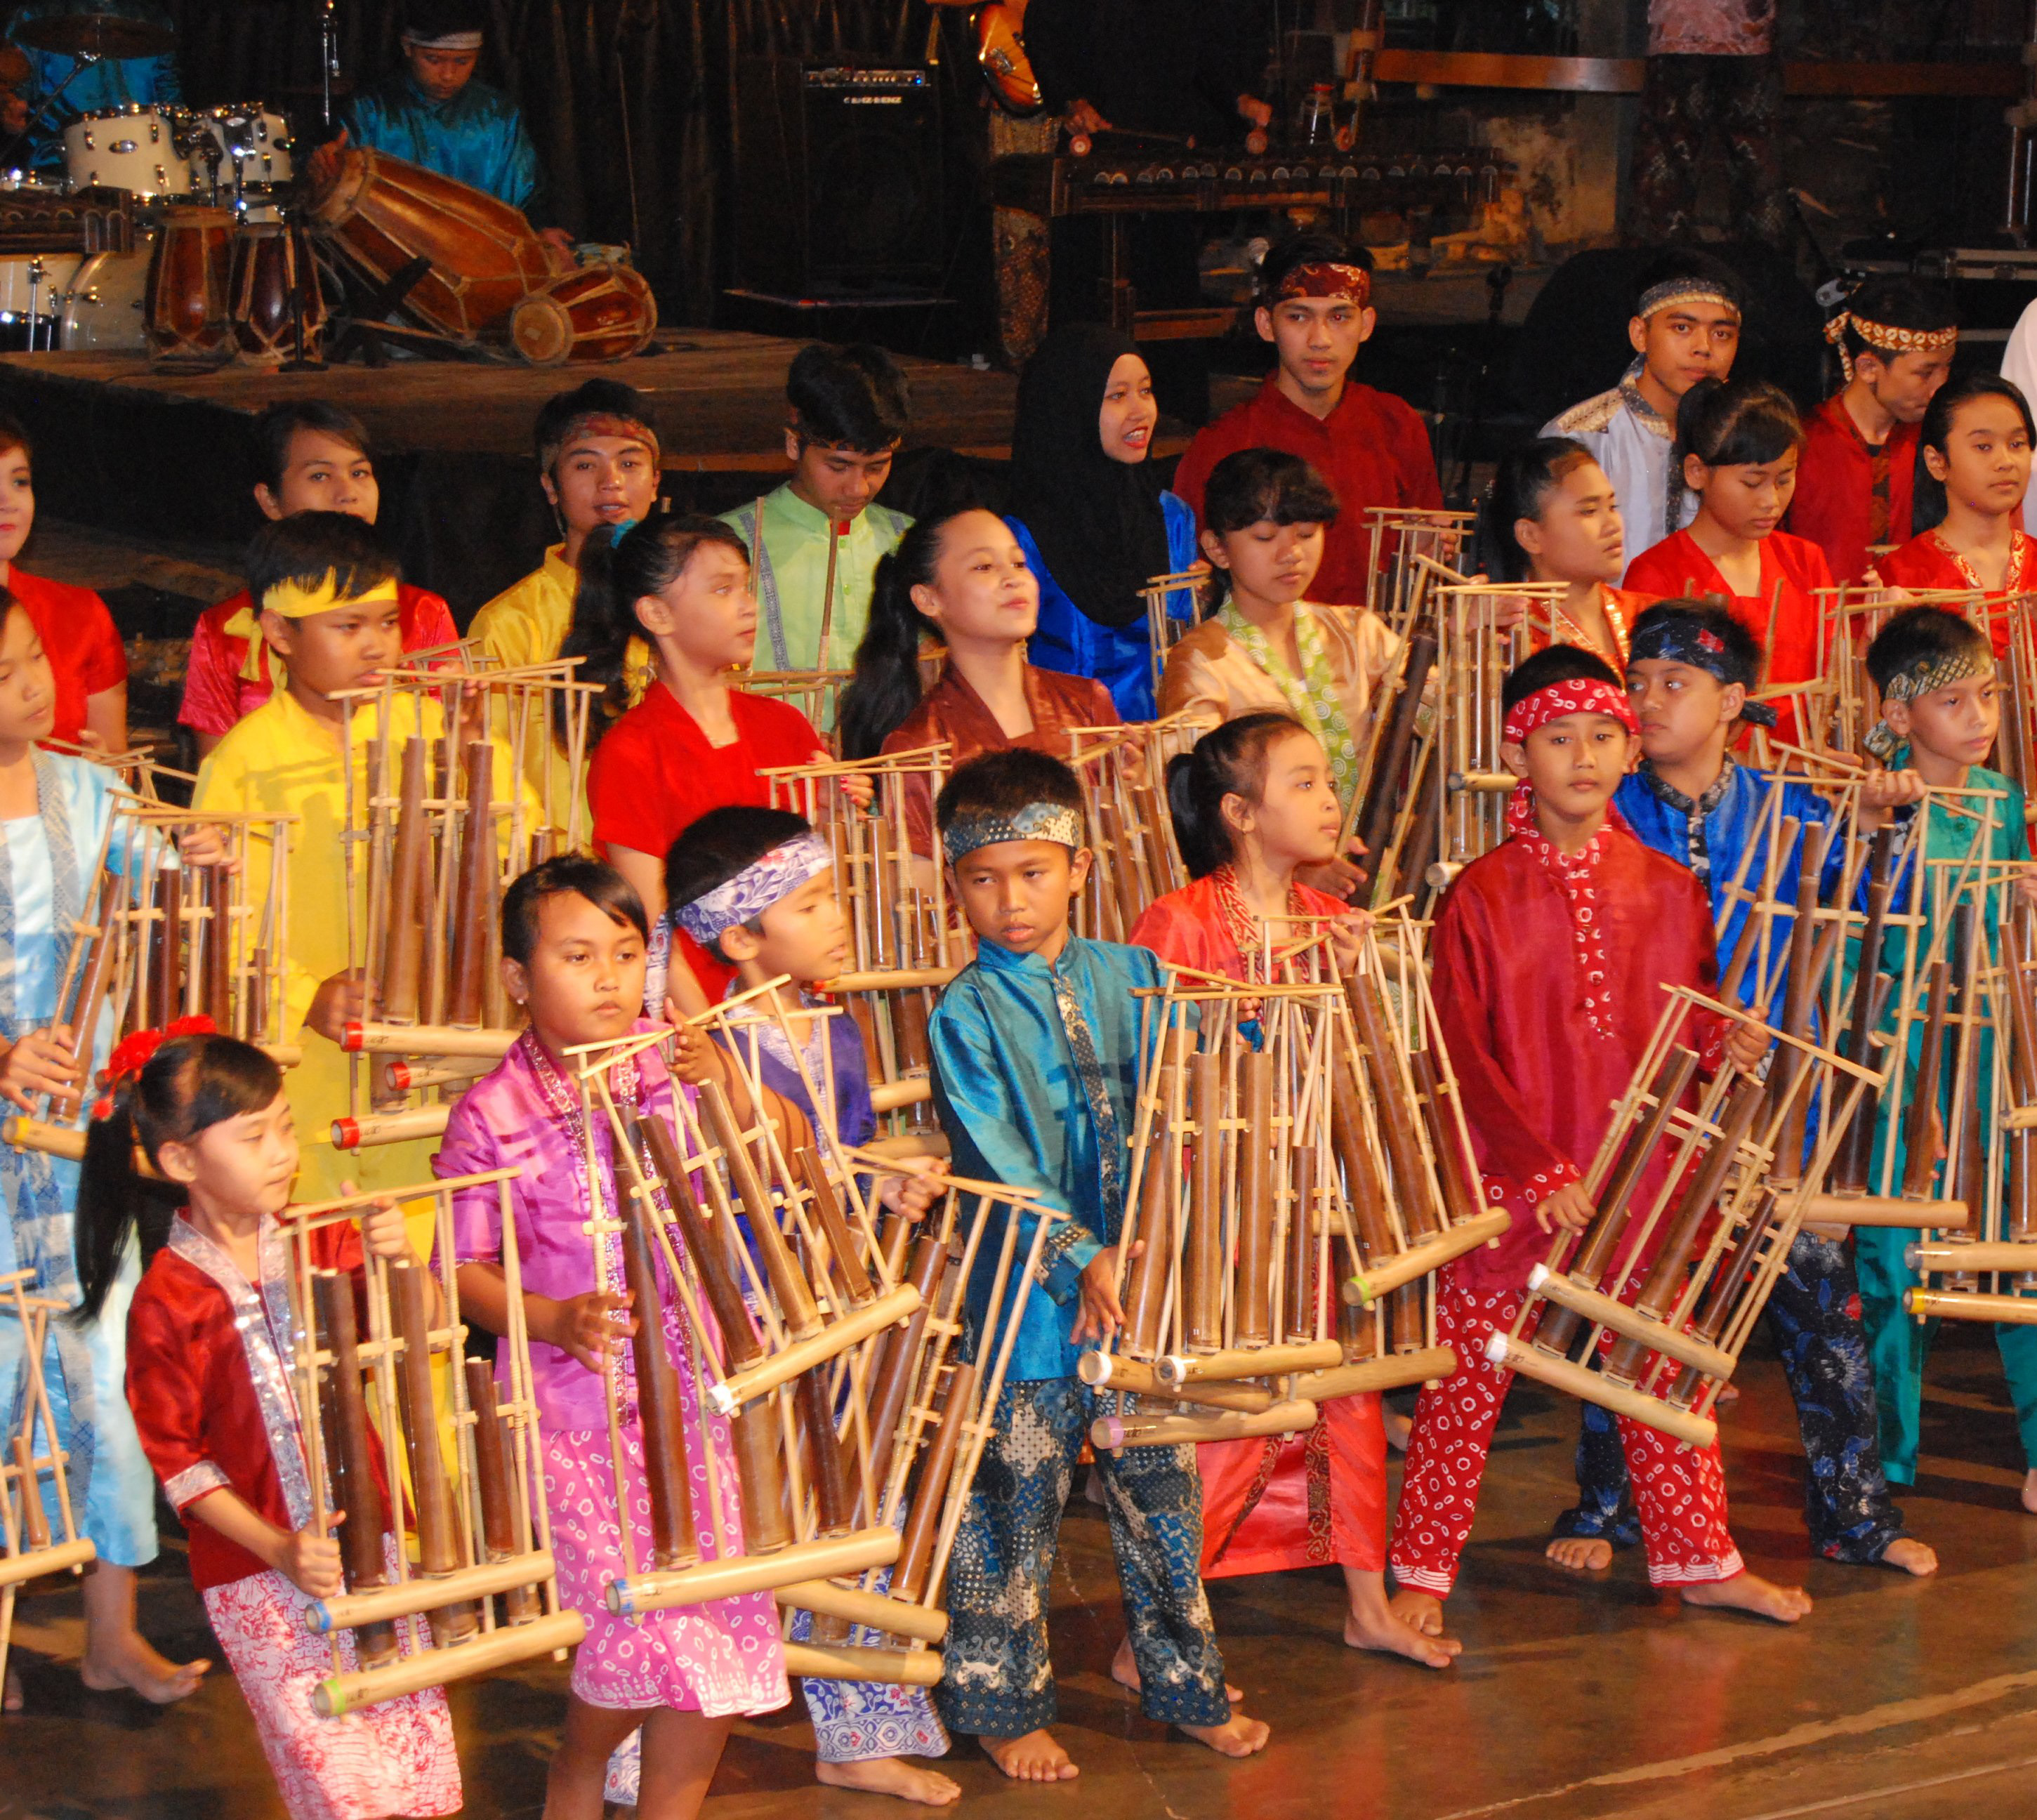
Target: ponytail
{"x": 187, "y": 1084}
{"x": 884, "y": 687}
{"x": 1229, "y": 761}
{"x": 619, "y": 566}
{"x": 1521, "y": 487}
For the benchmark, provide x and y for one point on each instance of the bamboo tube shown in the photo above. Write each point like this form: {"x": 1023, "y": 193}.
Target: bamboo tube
{"x": 378, "y": 1128}
{"x": 33, "y": 1563}
{"x": 1260, "y": 1362}
{"x": 1969, "y": 1305}
{"x": 1407, "y": 1320}
{"x": 1298, "y": 1318}
{"x": 928, "y": 1144}
{"x": 344, "y": 1694}
{"x": 855, "y": 1553}
{"x": 1461, "y": 1198}
{"x": 474, "y": 887}
{"x": 2019, "y": 1214}
{"x": 495, "y": 1489}
{"x": 1376, "y": 1282}
{"x": 889, "y": 1379}
{"x": 949, "y": 1415}
{"x": 828, "y": 1341}
{"x": 410, "y": 893}
{"x": 1115, "y": 1432}
{"x": 674, "y": 1542}
{"x": 1099, "y": 1370}
{"x": 708, "y": 1250}
{"x": 65, "y": 1141}
{"x": 827, "y": 1209}
{"x": 166, "y": 990}
{"x": 1874, "y": 1211}
{"x": 350, "y": 1458}
{"x": 1414, "y": 1189}
{"x": 1146, "y": 1285}
{"x": 923, "y": 1623}
{"x": 401, "y": 1076}
{"x": 886, "y": 979}
{"x": 438, "y": 1534}
{"x": 1800, "y": 998}
{"x": 1694, "y": 1431}
{"x": 845, "y": 1662}
{"x": 1920, "y": 1122}
{"x": 1645, "y": 1332}
{"x": 789, "y": 1287}
{"x": 1716, "y": 1308}
{"x": 1429, "y": 1365}
{"x": 834, "y": 1504}
{"x": 1382, "y": 796}
{"x": 894, "y": 1096}
{"x": 367, "y": 1038}
{"x": 1257, "y": 1212}
{"x": 514, "y": 1575}
{"x": 216, "y": 991}
{"x": 1977, "y": 1255}
{"x": 92, "y": 989}
{"x": 35, "y": 1521}
{"x": 1967, "y": 1175}
{"x": 1202, "y": 1291}
{"x": 1658, "y": 1289}
{"x": 1559, "y": 1327}
{"x": 1363, "y": 1189}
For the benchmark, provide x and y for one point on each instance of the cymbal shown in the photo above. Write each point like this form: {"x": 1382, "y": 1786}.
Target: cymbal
{"x": 83, "y": 34}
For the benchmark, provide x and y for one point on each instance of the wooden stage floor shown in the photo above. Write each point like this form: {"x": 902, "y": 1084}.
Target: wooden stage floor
{"x": 1897, "y": 1699}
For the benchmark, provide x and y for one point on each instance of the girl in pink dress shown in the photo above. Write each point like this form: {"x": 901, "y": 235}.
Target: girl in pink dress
{"x": 1253, "y": 803}
{"x": 209, "y": 1343}
{"x": 573, "y": 942}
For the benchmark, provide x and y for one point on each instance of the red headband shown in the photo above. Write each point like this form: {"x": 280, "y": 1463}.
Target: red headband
{"x": 132, "y": 1054}
{"x": 1351, "y": 283}
{"x": 1576, "y": 695}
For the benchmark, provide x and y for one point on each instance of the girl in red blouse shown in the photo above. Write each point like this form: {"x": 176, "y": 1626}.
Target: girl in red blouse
{"x": 1976, "y": 439}
{"x": 1738, "y": 442}
{"x": 209, "y": 1354}
{"x": 692, "y": 743}
{"x": 1253, "y": 805}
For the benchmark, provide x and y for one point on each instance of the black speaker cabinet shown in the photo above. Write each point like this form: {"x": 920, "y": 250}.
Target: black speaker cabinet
{"x": 838, "y": 177}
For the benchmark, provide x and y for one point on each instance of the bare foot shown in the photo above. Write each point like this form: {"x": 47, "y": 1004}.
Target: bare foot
{"x": 134, "y": 1665}
{"x": 1580, "y": 1553}
{"x": 1421, "y": 1611}
{"x": 1910, "y": 1556}
{"x": 1729, "y": 1393}
{"x": 1749, "y": 1593}
{"x": 1125, "y": 1671}
{"x": 1399, "y": 1429}
{"x": 1035, "y": 1757}
{"x": 2030, "y": 1491}
{"x": 894, "y": 1776}
{"x": 1381, "y": 1630}
{"x": 1237, "y": 1736}
{"x": 12, "y": 1701}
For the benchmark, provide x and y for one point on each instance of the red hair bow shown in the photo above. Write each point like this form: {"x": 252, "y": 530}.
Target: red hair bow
{"x": 132, "y": 1054}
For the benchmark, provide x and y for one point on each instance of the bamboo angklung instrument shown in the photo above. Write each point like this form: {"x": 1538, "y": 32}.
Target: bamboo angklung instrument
{"x": 1374, "y": 822}
{"x": 1852, "y": 1168}
{"x": 350, "y": 1461}
{"x": 409, "y": 900}
{"x": 438, "y": 1535}
{"x": 473, "y": 894}
{"x": 495, "y": 1486}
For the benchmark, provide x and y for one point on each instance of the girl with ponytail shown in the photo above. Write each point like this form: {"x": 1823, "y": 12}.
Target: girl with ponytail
{"x": 210, "y": 1350}
{"x": 959, "y": 581}
{"x": 692, "y": 743}
{"x": 1254, "y": 807}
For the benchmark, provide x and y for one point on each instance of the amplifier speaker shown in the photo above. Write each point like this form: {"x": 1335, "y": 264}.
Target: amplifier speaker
{"x": 838, "y": 177}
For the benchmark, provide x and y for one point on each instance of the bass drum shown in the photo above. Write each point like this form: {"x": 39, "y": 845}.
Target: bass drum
{"x": 104, "y": 309}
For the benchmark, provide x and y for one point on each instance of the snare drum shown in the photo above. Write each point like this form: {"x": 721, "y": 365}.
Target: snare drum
{"x": 254, "y": 146}
{"x": 132, "y": 147}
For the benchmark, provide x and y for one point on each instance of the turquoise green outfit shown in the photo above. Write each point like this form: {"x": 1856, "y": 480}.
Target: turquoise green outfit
{"x": 476, "y": 137}
{"x": 1036, "y": 1069}
{"x": 1897, "y": 1343}
{"x": 88, "y": 88}
{"x": 788, "y": 554}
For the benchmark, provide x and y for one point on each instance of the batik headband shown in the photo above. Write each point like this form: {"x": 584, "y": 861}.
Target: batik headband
{"x": 1884, "y": 339}
{"x": 444, "y": 41}
{"x": 1667, "y": 638}
{"x": 1920, "y": 678}
{"x": 604, "y": 424}
{"x": 293, "y": 601}
{"x": 1036, "y": 821}
{"x": 755, "y": 888}
{"x": 1326, "y": 278}
{"x": 1673, "y": 291}
{"x": 1574, "y": 695}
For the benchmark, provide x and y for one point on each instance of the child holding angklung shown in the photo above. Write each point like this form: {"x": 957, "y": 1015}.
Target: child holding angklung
{"x": 1737, "y": 443}
{"x": 1549, "y": 960}
{"x": 211, "y": 1340}
{"x": 1692, "y": 666}
{"x": 1037, "y": 1060}
{"x": 573, "y": 938}
{"x": 1551, "y": 516}
{"x": 1976, "y": 439}
{"x": 755, "y": 888}
{"x": 1253, "y": 804}
{"x": 1941, "y": 712}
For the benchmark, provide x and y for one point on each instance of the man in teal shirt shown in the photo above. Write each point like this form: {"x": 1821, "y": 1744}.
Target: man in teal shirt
{"x": 849, "y": 408}
{"x": 95, "y": 87}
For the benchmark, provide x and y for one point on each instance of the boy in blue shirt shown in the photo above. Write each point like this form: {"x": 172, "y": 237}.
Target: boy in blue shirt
{"x": 1036, "y": 1065}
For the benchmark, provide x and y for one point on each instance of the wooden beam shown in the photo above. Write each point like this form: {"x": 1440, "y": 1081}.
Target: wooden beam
{"x": 1623, "y": 75}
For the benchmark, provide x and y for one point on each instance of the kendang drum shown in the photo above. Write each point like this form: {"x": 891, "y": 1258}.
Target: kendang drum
{"x": 600, "y": 312}
{"x": 249, "y": 144}
{"x": 188, "y": 319}
{"x": 380, "y": 214}
{"x": 133, "y": 148}
{"x": 273, "y": 288}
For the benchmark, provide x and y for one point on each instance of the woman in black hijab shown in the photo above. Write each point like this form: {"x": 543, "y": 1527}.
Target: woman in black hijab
{"x": 1090, "y": 512}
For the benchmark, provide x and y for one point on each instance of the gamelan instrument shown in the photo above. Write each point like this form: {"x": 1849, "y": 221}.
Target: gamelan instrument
{"x": 856, "y": 1417}
{"x": 33, "y": 1484}
{"x": 1293, "y": 1195}
{"x": 1124, "y": 775}
{"x": 368, "y": 1354}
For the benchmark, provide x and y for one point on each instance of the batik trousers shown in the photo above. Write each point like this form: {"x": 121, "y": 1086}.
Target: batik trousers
{"x": 1681, "y": 1492}
{"x": 999, "y": 1681}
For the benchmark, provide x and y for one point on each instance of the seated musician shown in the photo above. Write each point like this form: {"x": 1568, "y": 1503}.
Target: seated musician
{"x": 1092, "y": 514}
{"x": 312, "y": 456}
{"x": 431, "y": 110}
{"x": 960, "y": 581}
{"x": 848, "y": 410}
{"x": 1314, "y": 305}
{"x": 92, "y": 87}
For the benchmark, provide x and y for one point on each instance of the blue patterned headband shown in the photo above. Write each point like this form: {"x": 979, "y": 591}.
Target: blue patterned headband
{"x": 1670, "y": 638}
{"x": 755, "y": 888}
{"x": 1053, "y": 822}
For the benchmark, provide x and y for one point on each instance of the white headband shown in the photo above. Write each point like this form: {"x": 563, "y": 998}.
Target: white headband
{"x": 445, "y": 41}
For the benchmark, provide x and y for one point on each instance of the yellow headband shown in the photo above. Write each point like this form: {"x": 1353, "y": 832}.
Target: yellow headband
{"x": 294, "y": 601}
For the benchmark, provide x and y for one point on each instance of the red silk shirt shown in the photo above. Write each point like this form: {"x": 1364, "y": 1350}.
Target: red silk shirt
{"x": 1851, "y": 496}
